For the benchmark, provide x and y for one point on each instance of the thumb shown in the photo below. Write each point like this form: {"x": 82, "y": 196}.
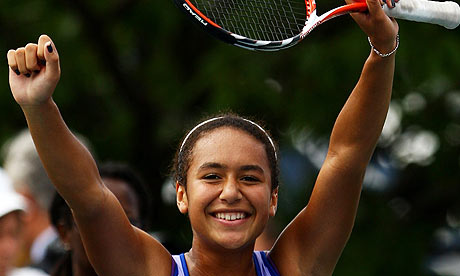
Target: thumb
{"x": 51, "y": 55}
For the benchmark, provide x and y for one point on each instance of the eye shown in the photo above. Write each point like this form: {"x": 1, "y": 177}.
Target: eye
{"x": 250, "y": 178}
{"x": 211, "y": 176}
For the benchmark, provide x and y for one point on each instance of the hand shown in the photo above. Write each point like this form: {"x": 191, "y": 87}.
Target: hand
{"x": 380, "y": 28}
{"x": 34, "y": 72}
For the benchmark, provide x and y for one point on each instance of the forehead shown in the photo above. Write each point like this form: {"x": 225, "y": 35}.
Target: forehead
{"x": 229, "y": 144}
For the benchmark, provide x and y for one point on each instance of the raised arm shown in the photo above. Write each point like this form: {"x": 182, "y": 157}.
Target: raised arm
{"x": 114, "y": 247}
{"x": 313, "y": 242}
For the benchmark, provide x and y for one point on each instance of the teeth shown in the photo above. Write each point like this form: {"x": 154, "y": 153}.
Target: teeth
{"x": 230, "y": 216}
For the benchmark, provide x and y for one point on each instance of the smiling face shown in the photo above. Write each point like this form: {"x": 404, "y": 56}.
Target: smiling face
{"x": 228, "y": 196}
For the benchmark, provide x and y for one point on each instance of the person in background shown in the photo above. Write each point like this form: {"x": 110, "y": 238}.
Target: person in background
{"x": 22, "y": 164}
{"x": 12, "y": 207}
{"x": 129, "y": 189}
{"x": 40, "y": 247}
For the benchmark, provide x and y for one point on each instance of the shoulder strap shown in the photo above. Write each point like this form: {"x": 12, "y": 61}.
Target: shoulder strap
{"x": 264, "y": 266}
{"x": 179, "y": 266}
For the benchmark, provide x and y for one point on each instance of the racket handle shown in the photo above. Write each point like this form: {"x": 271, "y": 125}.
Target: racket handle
{"x": 446, "y": 14}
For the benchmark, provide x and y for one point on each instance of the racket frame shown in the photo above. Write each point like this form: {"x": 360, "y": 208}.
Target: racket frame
{"x": 446, "y": 14}
{"x": 311, "y": 21}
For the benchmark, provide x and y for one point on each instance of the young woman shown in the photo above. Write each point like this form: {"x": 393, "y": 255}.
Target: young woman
{"x": 226, "y": 177}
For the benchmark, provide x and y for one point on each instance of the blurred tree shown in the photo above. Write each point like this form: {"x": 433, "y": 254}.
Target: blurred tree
{"x": 136, "y": 74}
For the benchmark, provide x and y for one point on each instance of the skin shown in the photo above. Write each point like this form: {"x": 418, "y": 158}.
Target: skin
{"x": 235, "y": 178}
{"x": 35, "y": 221}
{"x": 71, "y": 236}
{"x": 310, "y": 245}
{"x": 10, "y": 229}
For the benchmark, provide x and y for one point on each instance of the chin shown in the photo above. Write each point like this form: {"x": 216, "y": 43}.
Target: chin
{"x": 235, "y": 243}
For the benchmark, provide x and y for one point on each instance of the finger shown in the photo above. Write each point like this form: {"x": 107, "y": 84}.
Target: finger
{"x": 52, "y": 60}
{"x": 374, "y": 7}
{"x": 12, "y": 61}
{"x": 31, "y": 57}
{"x": 390, "y": 3}
{"x": 21, "y": 61}
{"x": 42, "y": 40}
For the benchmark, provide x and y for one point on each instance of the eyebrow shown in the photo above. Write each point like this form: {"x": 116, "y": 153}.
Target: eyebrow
{"x": 252, "y": 168}
{"x": 215, "y": 165}
{"x": 212, "y": 165}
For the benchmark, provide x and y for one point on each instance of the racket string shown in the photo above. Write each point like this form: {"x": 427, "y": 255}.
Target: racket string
{"x": 269, "y": 20}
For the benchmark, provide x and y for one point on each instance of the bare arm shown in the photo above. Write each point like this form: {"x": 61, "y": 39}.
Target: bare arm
{"x": 313, "y": 242}
{"x": 106, "y": 232}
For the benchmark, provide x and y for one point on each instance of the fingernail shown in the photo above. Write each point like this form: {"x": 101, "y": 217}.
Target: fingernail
{"x": 42, "y": 62}
{"x": 27, "y": 75}
{"x": 50, "y": 48}
{"x": 17, "y": 72}
{"x": 37, "y": 71}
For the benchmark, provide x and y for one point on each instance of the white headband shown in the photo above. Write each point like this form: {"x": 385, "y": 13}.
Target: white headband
{"x": 216, "y": 118}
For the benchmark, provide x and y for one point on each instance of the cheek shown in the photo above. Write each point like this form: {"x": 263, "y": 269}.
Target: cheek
{"x": 199, "y": 198}
{"x": 10, "y": 240}
{"x": 260, "y": 198}
{"x": 8, "y": 247}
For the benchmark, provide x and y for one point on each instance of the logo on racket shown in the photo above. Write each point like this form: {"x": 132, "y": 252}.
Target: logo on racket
{"x": 194, "y": 14}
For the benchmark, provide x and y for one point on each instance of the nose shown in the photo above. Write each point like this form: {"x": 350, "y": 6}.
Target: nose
{"x": 230, "y": 192}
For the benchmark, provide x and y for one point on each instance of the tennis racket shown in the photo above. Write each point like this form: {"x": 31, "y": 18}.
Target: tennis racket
{"x": 271, "y": 25}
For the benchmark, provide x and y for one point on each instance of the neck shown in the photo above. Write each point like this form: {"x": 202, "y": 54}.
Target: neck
{"x": 202, "y": 261}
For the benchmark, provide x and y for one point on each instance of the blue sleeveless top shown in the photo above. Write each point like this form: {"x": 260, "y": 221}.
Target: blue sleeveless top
{"x": 264, "y": 266}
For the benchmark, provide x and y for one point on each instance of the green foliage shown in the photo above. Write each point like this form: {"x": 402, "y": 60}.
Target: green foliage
{"x": 136, "y": 74}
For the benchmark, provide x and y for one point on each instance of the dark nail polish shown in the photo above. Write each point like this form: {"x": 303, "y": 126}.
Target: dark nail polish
{"x": 50, "y": 48}
{"x": 17, "y": 72}
{"x": 27, "y": 75}
{"x": 42, "y": 62}
{"x": 37, "y": 71}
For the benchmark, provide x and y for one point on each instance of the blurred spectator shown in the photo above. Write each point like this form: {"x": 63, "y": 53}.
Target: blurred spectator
{"x": 128, "y": 187}
{"x": 22, "y": 164}
{"x": 12, "y": 207}
{"x": 40, "y": 247}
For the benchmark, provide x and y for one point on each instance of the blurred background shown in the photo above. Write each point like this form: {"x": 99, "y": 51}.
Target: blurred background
{"x": 136, "y": 74}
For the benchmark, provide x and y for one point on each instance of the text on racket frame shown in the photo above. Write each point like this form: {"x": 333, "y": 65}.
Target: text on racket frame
{"x": 194, "y": 14}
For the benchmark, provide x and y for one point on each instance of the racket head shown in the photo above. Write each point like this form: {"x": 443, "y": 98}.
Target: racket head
{"x": 249, "y": 31}
{"x": 265, "y": 25}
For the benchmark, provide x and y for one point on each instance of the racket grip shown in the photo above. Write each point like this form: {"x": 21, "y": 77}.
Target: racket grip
{"x": 446, "y": 14}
